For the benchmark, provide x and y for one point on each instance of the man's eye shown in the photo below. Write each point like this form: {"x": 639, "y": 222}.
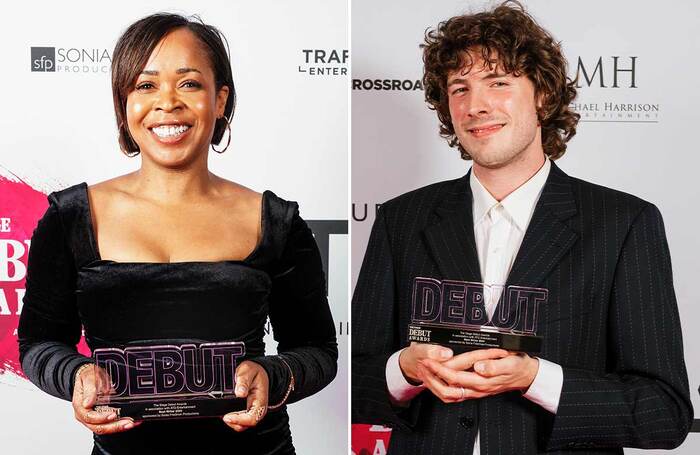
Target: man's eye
{"x": 459, "y": 90}
{"x": 500, "y": 84}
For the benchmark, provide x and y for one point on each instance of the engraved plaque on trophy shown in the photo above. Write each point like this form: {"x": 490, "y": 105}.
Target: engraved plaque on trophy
{"x": 168, "y": 381}
{"x": 453, "y": 313}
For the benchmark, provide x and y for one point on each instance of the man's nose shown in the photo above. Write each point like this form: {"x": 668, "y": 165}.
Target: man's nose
{"x": 478, "y": 103}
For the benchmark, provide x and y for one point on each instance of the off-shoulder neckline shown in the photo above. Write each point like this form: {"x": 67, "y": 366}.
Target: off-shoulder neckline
{"x": 92, "y": 238}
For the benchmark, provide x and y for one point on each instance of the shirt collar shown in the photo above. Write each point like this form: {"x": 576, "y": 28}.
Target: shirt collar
{"x": 519, "y": 205}
{"x": 482, "y": 199}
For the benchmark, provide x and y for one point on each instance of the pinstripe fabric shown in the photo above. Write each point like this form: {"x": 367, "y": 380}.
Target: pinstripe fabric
{"x": 611, "y": 323}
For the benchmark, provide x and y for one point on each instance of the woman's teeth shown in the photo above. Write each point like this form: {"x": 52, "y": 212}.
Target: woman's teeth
{"x": 170, "y": 131}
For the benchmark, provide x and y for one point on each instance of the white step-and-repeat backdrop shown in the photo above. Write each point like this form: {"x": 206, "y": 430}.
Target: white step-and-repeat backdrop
{"x": 639, "y": 117}
{"x": 290, "y": 134}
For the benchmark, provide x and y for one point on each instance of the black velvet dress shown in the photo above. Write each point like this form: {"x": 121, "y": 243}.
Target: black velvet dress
{"x": 68, "y": 286}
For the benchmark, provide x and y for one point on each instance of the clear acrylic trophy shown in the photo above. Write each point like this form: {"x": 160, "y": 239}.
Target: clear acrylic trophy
{"x": 453, "y": 313}
{"x": 168, "y": 381}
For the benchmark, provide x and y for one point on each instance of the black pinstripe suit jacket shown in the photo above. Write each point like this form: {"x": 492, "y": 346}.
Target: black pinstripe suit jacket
{"x": 611, "y": 322}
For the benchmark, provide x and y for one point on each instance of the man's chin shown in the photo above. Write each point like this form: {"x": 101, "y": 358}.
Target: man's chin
{"x": 491, "y": 162}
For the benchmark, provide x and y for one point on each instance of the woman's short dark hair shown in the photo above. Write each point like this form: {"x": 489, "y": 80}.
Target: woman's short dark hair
{"x": 133, "y": 50}
{"x": 507, "y": 37}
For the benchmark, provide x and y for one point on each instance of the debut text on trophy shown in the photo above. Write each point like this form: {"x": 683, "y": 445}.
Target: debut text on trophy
{"x": 168, "y": 381}
{"x": 454, "y": 313}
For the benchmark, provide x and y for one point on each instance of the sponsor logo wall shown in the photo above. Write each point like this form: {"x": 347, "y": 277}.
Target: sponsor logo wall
{"x": 636, "y": 133}
{"x": 59, "y": 129}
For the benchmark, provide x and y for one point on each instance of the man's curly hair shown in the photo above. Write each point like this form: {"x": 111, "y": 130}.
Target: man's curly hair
{"x": 509, "y": 38}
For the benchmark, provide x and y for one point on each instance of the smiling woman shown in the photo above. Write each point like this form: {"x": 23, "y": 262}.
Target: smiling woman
{"x": 165, "y": 54}
{"x": 174, "y": 255}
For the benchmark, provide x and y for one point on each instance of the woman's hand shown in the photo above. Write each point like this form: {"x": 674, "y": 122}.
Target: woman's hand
{"x": 251, "y": 382}
{"x": 85, "y": 398}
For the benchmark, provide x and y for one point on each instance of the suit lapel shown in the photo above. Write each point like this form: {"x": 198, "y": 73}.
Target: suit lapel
{"x": 547, "y": 238}
{"x": 450, "y": 238}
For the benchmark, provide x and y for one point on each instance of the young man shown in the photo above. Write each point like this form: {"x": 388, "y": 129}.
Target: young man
{"x": 611, "y": 372}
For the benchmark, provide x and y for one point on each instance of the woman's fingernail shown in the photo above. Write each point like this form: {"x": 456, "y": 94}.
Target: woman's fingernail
{"x": 479, "y": 367}
{"x": 129, "y": 425}
{"x": 445, "y": 353}
{"x": 240, "y": 390}
{"x": 112, "y": 416}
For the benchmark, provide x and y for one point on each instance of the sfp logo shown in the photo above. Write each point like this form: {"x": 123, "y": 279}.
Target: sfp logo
{"x": 44, "y": 59}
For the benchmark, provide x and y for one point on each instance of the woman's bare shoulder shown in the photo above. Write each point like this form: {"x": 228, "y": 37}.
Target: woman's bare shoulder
{"x": 243, "y": 204}
{"x": 117, "y": 184}
{"x": 110, "y": 194}
{"x": 240, "y": 194}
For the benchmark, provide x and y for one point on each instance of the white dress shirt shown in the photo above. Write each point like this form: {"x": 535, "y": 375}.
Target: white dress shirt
{"x": 499, "y": 228}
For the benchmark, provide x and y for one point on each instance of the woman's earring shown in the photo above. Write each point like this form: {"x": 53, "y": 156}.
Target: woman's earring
{"x": 228, "y": 127}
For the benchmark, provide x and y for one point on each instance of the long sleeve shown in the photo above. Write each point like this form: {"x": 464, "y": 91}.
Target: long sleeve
{"x": 400, "y": 390}
{"x": 49, "y": 326}
{"x": 643, "y": 399}
{"x": 301, "y": 320}
{"x": 545, "y": 389}
{"x": 375, "y": 336}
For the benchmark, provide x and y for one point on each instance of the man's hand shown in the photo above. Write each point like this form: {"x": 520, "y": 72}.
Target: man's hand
{"x": 416, "y": 352}
{"x": 477, "y": 374}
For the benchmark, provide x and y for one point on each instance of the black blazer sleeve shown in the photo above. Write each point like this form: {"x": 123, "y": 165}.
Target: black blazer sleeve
{"x": 644, "y": 400}
{"x": 49, "y": 325}
{"x": 374, "y": 337}
{"x": 301, "y": 319}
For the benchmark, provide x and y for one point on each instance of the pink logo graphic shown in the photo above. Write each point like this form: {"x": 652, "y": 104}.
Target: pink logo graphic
{"x": 21, "y": 206}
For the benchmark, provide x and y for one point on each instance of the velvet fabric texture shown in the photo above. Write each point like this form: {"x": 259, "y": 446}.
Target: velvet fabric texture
{"x": 70, "y": 286}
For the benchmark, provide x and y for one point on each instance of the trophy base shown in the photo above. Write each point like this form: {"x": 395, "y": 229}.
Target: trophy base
{"x": 462, "y": 340}
{"x": 174, "y": 409}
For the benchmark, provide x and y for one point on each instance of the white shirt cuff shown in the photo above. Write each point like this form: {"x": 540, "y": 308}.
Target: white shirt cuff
{"x": 401, "y": 392}
{"x": 545, "y": 390}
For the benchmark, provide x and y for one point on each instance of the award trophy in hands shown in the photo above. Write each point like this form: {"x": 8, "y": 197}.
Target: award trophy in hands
{"x": 169, "y": 380}
{"x": 454, "y": 314}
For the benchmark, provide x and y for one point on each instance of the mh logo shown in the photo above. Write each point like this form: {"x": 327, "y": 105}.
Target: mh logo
{"x": 44, "y": 59}
{"x": 612, "y": 66}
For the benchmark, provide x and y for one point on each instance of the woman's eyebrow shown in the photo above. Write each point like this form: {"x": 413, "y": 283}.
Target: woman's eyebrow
{"x": 178, "y": 71}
